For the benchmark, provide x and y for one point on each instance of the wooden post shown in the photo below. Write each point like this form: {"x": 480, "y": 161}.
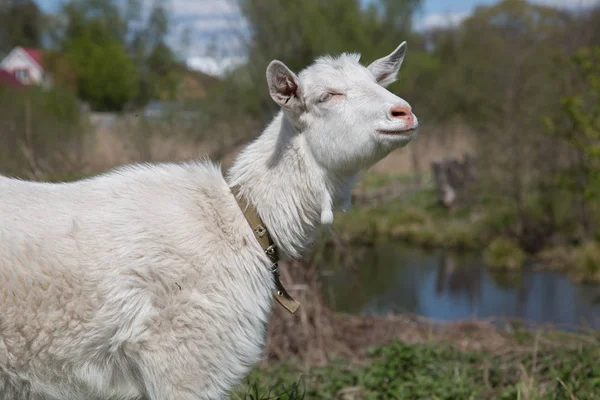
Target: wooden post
{"x": 28, "y": 122}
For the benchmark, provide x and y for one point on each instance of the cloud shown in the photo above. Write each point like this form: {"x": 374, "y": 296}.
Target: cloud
{"x": 570, "y": 4}
{"x": 207, "y": 7}
{"x": 442, "y": 20}
{"x": 207, "y": 15}
{"x": 219, "y": 23}
{"x": 214, "y": 25}
{"x": 217, "y": 67}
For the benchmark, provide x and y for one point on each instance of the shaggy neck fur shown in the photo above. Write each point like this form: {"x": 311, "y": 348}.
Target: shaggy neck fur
{"x": 292, "y": 193}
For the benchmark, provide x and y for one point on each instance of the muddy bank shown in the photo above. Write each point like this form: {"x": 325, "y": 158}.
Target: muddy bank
{"x": 316, "y": 334}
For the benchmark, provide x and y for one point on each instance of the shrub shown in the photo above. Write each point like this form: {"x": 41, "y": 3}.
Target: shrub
{"x": 503, "y": 253}
{"x": 587, "y": 261}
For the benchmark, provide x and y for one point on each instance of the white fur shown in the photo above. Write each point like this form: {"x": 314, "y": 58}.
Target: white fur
{"x": 147, "y": 282}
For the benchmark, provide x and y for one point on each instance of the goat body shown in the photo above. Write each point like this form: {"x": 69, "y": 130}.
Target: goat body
{"x": 120, "y": 284}
{"x": 147, "y": 282}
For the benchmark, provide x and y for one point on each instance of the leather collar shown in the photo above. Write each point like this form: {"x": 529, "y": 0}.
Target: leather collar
{"x": 270, "y": 248}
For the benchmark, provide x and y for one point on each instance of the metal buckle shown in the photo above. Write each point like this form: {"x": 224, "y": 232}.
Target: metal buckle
{"x": 270, "y": 251}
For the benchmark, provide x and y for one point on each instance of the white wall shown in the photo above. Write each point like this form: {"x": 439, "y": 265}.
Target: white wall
{"x": 20, "y": 60}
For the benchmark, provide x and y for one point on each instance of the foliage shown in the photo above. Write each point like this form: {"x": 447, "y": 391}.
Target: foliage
{"x": 587, "y": 262}
{"x": 503, "y": 253}
{"x": 154, "y": 59}
{"x": 578, "y": 130}
{"x": 41, "y": 132}
{"x": 118, "y": 60}
{"x": 106, "y": 76}
{"x": 21, "y": 24}
{"x": 500, "y": 89}
{"x": 438, "y": 371}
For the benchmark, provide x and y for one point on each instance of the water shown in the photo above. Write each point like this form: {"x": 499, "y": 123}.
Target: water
{"x": 390, "y": 278}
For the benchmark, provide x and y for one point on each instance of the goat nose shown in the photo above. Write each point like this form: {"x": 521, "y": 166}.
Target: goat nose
{"x": 401, "y": 111}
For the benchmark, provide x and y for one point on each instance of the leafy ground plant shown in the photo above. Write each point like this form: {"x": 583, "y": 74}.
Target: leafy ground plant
{"x": 437, "y": 371}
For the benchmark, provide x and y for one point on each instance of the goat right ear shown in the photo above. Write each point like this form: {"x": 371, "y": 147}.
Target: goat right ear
{"x": 284, "y": 85}
{"x": 386, "y": 69}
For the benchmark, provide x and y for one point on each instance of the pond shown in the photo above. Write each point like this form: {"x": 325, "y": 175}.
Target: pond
{"x": 389, "y": 278}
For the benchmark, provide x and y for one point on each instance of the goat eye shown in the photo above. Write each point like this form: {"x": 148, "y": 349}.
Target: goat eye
{"x": 324, "y": 97}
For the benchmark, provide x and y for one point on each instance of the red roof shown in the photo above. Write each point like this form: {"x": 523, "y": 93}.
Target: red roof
{"x": 11, "y": 79}
{"x": 36, "y": 54}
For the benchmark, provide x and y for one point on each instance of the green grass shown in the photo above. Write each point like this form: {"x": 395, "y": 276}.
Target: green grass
{"x": 436, "y": 371}
{"x": 375, "y": 180}
{"x": 416, "y": 219}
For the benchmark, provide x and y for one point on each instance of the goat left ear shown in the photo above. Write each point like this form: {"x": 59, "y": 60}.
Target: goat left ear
{"x": 284, "y": 85}
{"x": 386, "y": 69}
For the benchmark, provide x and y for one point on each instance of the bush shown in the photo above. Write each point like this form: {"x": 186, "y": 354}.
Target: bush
{"x": 587, "y": 261}
{"x": 503, "y": 253}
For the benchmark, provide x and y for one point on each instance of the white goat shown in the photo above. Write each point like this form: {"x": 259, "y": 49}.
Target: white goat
{"x": 148, "y": 282}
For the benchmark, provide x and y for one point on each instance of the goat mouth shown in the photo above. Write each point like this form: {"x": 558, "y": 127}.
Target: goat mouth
{"x": 398, "y": 132}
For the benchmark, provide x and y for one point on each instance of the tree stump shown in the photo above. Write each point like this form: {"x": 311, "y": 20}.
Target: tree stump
{"x": 453, "y": 179}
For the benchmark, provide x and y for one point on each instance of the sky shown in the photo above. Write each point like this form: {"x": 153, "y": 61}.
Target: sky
{"x": 219, "y": 21}
{"x": 220, "y": 14}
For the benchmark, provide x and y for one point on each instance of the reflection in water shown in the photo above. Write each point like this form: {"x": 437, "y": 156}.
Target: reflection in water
{"x": 394, "y": 279}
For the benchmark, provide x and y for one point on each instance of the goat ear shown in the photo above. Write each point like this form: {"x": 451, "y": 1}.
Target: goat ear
{"x": 386, "y": 69}
{"x": 284, "y": 85}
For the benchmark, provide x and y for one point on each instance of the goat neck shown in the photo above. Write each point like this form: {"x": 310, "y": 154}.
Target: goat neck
{"x": 292, "y": 193}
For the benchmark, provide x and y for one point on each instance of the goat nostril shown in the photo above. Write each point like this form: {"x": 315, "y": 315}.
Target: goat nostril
{"x": 400, "y": 112}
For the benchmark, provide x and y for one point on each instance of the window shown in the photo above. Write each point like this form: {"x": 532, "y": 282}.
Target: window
{"x": 22, "y": 75}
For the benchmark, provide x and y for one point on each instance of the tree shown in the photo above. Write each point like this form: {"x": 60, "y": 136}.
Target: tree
{"x": 155, "y": 60}
{"x": 106, "y": 76}
{"x": 578, "y": 131}
{"x": 496, "y": 71}
{"x": 120, "y": 56}
{"x": 93, "y": 42}
{"x": 21, "y": 24}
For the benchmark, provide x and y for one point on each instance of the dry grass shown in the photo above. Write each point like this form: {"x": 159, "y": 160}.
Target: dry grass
{"x": 126, "y": 141}
{"x": 432, "y": 144}
{"x": 108, "y": 148}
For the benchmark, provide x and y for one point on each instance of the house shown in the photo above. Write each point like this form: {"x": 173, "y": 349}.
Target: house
{"x": 6, "y": 78}
{"x": 25, "y": 65}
